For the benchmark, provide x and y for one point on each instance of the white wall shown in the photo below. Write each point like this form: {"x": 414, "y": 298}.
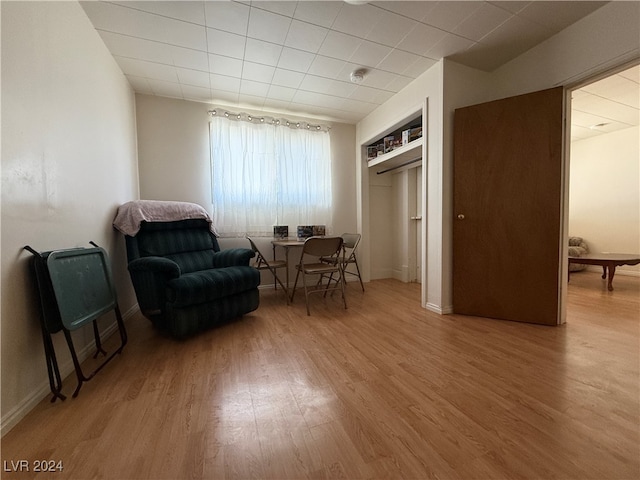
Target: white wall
{"x": 68, "y": 161}
{"x": 604, "y": 195}
{"x": 173, "y": 149}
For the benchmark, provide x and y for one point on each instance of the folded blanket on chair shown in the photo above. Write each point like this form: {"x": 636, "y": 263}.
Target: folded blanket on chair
{"x": 131, "y": 214}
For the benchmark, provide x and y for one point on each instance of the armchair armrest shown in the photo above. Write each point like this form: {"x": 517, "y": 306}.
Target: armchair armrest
{"x": 233, "y": 257}
{"x": 149, "y": 276}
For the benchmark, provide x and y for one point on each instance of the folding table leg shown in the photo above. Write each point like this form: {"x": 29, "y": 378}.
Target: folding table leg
{"x": 80, "y": 376}
{"x": 55, "y": 381}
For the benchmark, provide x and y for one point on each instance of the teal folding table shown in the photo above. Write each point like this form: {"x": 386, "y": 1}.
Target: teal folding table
{"x": 75, "y": 288}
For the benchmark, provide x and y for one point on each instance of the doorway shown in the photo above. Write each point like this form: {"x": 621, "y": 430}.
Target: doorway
{"x": 604, "y": 167}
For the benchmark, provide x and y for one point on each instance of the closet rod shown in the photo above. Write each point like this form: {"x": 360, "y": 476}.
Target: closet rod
{"x": 399, "y": 166}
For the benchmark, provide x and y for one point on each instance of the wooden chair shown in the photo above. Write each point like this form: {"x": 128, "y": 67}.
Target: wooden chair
{"x": 261, "y": 263}
{"x": 313, "y": 250}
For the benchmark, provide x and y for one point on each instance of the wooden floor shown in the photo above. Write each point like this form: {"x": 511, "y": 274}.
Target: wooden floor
{"x": 382, "y": 390}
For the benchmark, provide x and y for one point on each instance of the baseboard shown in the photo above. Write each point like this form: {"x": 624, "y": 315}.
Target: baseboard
{"x": 13, "y": 416}
{"x": 439, "y": 310}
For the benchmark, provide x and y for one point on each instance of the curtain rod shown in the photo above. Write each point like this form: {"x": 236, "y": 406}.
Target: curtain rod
{"x": 242, "y": 116}
{"x": 399, "y": 166}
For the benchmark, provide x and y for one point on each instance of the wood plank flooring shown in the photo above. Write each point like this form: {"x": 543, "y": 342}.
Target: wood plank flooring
{"x": 383, "y": 390}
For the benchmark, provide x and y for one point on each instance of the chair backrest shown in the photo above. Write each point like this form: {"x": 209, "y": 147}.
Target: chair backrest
{"x": 322, "y": 246}
{"x": 351, "y": 240}
{"x": 189, "y": 243}
{"x": 260, "y": 260}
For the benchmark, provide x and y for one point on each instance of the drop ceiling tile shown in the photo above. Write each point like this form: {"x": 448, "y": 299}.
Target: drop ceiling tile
{"x": 448, "y": 46}
{"x": 311, "y": 98}
{"x": 225, "y": 43}
{"x": 141, "y": 68}
{"x": 390, "y": 29}
{"x": 397, "y": 61}
{"x": 415, "y": 10}
{"x": 305, "y": 36}
{"x": 224, "y": 96}
{"x": 448, "y": 15}
{"x": 165, "y": 89}
{"x": 225, "y": 65}
{"x": 421, "y": 38}
{"x": 340, "y": 89}
{"x": 258, "y": 51}
{"x": 296, "y": 60}
{"x": 369, "y": 54}
{"x": 370, "y": 95}
{"x": 224, "y": 83}
{"x": 312, "y": 83}
{"x": 277, "y": 92}
{"x": 379, "y": 79}
{"x": 268, "y": 26}
{"x": 287, "y": 78}
{"x": 188, "y": 58}
{"x": 483, "y": 21}
{"x": 194, "y": 78}
{"x": 398, "y": 83}
{"x": 140, "y": 84}
{"x": 128, "y": 21}
{"x": 608, "y": 109}
{"x": 250, "y": 101}
{"x": 512, "y": 7}
{"x": 580, "y": 133}
{"x": 187, "y": 11}
{"x": 257, "y": 72}
{"x": 228, "y": 16}
{"x": 516, "y": 33}
{"x": 326, "y": 67}
{"x": 584, "y": 119}
{"x": 275, "y": 104}
{"x": 625, "y": 91}
{"x": 257, "y": 89}
{"x": 632, "y": 73}
{"x": 339, "y": 45}
{"x": 132, "y": 47}
{"x": 285, "y": 8}
{"x": 318, "y": 13}
{"x": 417, "y": 68}
{"x": 198, "y": 94}
{"x": 357, "y": 20}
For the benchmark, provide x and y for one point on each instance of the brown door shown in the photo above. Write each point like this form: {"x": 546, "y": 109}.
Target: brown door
{"x": 508, "y": 208}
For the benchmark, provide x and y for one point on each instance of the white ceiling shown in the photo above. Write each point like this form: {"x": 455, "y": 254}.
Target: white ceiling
{"x": 290, "y": 56}
{"x": 607, "y": 105}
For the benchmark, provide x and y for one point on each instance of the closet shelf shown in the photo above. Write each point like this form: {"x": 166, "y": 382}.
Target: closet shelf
{"x": 398, "y": 157}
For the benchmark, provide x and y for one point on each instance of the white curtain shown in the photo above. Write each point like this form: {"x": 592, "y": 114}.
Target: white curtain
{"x": 265, "y": 175}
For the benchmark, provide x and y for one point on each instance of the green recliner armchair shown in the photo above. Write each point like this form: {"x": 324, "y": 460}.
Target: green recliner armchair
{"x": 183, "y": 282}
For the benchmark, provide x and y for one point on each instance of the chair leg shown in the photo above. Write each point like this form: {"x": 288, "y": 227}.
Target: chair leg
{"x": 341, "y": 278}
{"x": 277, "y": 280}
{"x": 306, "y": 293}
{"x": 359, "y": 276}
{"x": 295, "y": 284}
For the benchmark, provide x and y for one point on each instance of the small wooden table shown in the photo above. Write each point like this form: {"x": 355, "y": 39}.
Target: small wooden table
{"x": 608, "y": 261}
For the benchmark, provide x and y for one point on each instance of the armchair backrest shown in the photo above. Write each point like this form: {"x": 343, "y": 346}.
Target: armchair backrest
{"x": 189, "y": 243}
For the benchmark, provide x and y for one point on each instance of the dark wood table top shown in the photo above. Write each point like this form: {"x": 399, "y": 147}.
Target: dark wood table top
{"x": 606, "y": 257}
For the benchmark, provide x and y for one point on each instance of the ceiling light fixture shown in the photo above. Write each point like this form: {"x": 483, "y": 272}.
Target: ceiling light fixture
{"x": 357, "y": 76}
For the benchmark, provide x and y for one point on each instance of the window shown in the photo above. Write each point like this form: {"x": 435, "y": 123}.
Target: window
{"x": 266, "y": 174}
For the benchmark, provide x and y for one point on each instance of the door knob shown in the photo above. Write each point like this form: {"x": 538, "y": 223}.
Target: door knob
{"x": 460, "y": 216}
